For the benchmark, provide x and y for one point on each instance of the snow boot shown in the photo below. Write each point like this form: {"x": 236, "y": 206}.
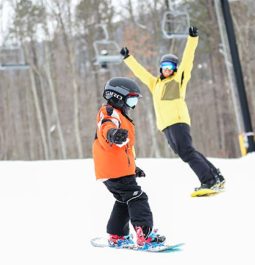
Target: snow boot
{"x": 220, "y": 179}
{"x": 148, "y": 237}
{"x": 120, "y": 241}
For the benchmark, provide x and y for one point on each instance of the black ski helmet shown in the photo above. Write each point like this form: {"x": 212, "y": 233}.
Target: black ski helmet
{"x": 169, "y": 58}
{"x": 118, "y": 89}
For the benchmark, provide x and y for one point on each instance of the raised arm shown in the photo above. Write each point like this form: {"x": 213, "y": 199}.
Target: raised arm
{"x": 138, "y": 70}
{"x": 186, "y": 65}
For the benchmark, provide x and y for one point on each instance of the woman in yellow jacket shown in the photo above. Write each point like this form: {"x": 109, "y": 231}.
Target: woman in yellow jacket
{"x": 168, "y": 92}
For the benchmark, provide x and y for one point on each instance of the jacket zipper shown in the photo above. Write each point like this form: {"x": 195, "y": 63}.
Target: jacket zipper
{"x": 126, "y": 150}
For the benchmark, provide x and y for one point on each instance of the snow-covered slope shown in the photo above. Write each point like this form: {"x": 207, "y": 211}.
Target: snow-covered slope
{"x": 49, "y": 211}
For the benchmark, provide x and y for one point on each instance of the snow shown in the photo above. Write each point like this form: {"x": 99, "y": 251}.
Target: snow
{"x": 49, "y": 211}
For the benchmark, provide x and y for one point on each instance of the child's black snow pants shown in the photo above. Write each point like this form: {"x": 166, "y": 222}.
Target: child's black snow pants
{"x": 131, "y": 205}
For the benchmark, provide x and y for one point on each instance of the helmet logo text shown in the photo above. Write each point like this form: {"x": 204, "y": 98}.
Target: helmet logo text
{"x": 110, "y": 94}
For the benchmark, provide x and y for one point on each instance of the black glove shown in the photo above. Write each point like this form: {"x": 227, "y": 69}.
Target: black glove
{"x": 193, "y": 31}
{"x": 139, "y": 172}
{"x": 117, "y": 136}
{"x": 124, "y": 52}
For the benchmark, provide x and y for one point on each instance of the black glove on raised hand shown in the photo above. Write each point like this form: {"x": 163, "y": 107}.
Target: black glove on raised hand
{"x": 117, "y": 136}
{"x": 193, "y": 31}
{"x": 139, "y": 172}
{"x": 124, "y": 52}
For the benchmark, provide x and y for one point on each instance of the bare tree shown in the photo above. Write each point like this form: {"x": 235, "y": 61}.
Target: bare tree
{"x": 64, "y": 17}
{"x": 27, "y": 17}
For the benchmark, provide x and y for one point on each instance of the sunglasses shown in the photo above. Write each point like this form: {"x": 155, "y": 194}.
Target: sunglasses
{"x": 169, "y": 66}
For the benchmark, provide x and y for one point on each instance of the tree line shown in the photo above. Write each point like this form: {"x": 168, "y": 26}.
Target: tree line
{"x": 48, "y": 111}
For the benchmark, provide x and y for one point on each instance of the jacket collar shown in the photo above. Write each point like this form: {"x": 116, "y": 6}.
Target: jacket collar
{"x": 169, "y": 77}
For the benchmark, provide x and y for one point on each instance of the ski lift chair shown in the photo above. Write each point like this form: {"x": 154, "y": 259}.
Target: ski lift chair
{"x": 107, "y": 52}
{"x": 4, "y": 67}
{"x": 12, "y": 59}
{"x": 175, "y": 24}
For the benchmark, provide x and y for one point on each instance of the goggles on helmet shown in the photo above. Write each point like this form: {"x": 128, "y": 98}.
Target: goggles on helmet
{"x": 168, "y": 65}
{"x": 132, "y": 99}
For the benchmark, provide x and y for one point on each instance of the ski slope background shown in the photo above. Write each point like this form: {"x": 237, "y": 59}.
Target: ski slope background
{"x": 49, "y": 211}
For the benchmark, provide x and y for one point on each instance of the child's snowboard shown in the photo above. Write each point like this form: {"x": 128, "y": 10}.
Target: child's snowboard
{"x": 158, "y": 247}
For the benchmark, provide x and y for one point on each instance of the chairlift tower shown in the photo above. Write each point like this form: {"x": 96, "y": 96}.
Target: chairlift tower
{"x": 234, "y": 69}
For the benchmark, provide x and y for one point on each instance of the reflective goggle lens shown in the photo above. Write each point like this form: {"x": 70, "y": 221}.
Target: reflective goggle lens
{"x": 168, "y": 65}
{"x": 132, "y": 101}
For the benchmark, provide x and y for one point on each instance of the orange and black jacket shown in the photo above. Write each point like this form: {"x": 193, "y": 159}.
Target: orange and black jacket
{"x": 111, "y": 160}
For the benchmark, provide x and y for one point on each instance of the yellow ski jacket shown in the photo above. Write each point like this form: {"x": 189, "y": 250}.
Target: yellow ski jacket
{"x": 168, "y": 94}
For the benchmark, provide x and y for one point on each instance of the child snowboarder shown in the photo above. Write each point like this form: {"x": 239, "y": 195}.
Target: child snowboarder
{"x": 168, "y": 92}
{"x": 114, "y": 161}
